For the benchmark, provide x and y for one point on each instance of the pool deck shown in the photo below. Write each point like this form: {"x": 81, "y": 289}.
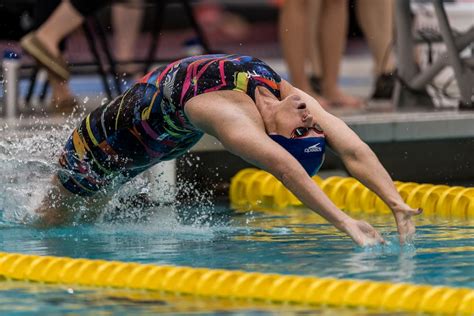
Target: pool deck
{"x": 420, "y": 146}
{"x": 374, "y": 127}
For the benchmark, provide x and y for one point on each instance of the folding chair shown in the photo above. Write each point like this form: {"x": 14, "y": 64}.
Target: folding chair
{"x": 409, "y": 90}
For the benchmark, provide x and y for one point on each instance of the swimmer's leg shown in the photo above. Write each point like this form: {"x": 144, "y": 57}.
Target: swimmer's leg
{"x": 60, "y": 206}
{"x": 55, "y": 207}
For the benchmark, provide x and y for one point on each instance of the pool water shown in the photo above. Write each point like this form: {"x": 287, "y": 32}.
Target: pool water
{"x": 293, "y": 241}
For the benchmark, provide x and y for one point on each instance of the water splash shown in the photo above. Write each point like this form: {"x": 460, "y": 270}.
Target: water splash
{"x": 26, "y": 165}
{"x": 28, "y": 159}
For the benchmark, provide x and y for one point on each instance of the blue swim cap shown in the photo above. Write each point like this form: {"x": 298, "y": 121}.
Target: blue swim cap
{"x": 308, "y": 151}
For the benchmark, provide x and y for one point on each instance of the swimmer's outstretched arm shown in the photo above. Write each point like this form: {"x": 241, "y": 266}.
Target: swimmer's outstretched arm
{"x": 233, "y": 118}
{"x": 361, "y": 162}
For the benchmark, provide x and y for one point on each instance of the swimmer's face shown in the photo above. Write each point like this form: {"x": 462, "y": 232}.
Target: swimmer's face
{"x": 289, "y": 117}
{"x": 293, "y": 118}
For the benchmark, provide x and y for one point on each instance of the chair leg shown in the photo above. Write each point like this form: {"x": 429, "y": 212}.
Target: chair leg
{"x": 157, "y": 25}
{"x": 464, "y": 76}
{"x": 95, "y": 53}
{"x": 402, "y": 96}
{"x": 112, "y": 64}
{"x": 44, "y": 91}
{"x": 195, "y": 25}
{"x": 31, "y": 87}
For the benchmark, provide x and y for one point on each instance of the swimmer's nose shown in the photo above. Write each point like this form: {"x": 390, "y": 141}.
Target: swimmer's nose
{"x": 307, "y": 118}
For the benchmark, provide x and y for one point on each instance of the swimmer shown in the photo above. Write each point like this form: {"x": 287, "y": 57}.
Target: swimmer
{"x": 247, "y": 106}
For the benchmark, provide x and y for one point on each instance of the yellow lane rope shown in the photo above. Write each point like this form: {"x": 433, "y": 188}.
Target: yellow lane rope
{"x": 257, "y": 188}
{"x": 239, "y": 285}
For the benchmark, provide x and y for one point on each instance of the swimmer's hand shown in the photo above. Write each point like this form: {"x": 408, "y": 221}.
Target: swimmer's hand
{"x": 362, "y": 232}
{"x": 403, "y": 216}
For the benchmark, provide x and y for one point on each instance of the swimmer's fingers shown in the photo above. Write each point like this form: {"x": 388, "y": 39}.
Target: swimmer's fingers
{"x": 365, "y": 235}
{"x": 376, "y": 237}
{"x": 379, "y": 238}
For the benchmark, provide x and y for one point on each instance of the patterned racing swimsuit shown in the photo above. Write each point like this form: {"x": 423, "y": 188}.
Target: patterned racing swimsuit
{"x": 147, "y": 124}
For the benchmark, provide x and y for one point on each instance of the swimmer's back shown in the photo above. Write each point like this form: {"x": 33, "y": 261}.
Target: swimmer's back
{"x": 192, "y": 76}
{"x": 148, "y": 124}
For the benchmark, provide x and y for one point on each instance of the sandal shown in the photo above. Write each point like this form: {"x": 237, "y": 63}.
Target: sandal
{"x": 54, "y": 64}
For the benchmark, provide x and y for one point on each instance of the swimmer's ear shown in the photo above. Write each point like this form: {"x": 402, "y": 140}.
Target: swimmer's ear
{"x": 264, "y": 97}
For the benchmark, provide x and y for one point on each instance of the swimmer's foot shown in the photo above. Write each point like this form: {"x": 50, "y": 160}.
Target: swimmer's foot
{"x": 55, "y": 64}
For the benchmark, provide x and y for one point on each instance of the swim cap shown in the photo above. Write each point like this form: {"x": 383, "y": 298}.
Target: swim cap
{"x": 308, "y": 151}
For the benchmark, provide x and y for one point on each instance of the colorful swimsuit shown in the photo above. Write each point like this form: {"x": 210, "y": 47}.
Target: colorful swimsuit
{"x": 147, "y": 124}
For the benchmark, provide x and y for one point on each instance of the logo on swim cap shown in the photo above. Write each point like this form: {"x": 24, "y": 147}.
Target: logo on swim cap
{"x": 309, "y": 151}
{"x": 313, "y": 149}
